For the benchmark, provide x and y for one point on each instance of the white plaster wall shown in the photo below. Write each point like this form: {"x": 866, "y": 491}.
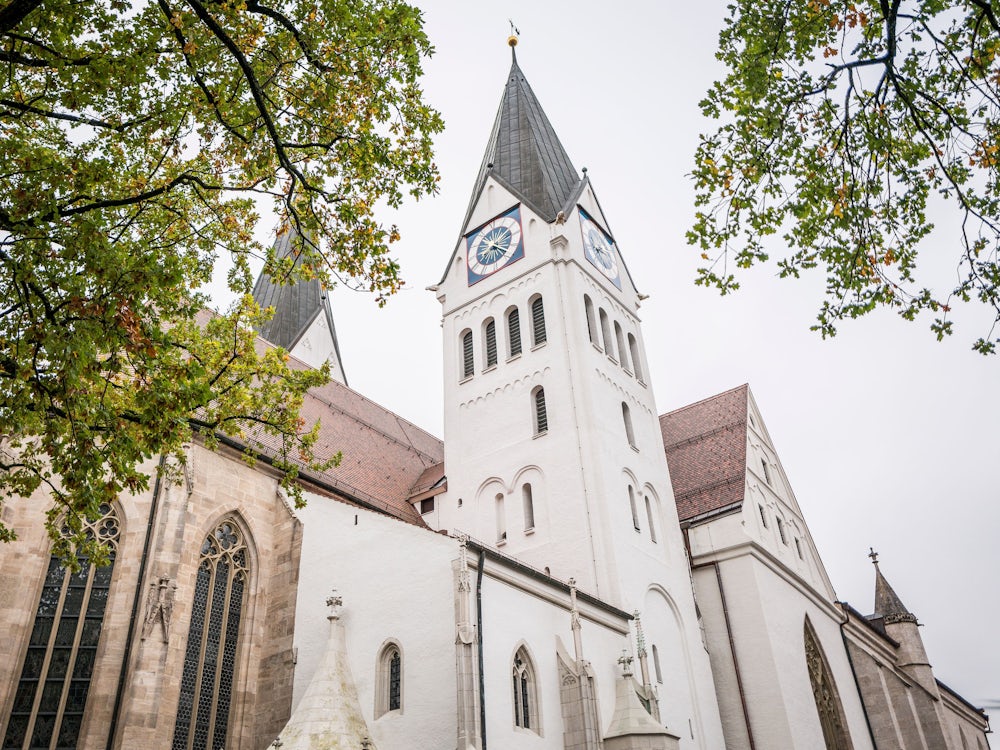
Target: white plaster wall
{"x": 316, "y": 347}
{"x": 397, "y": 582}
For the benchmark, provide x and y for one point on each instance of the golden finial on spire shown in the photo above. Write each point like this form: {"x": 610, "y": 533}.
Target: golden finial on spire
{"x": 514, "y": 34}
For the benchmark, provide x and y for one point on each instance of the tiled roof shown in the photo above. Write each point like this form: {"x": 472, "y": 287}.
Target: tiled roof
{"x": 706, "y": 446}
{"x": 428, "y": 480}
{"x": 525, "y": 153}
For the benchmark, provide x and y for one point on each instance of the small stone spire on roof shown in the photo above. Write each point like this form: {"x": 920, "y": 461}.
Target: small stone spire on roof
{"x": 888, "y": 605}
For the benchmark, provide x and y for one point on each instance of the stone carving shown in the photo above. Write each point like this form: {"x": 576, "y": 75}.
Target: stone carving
{"x": 159, "y": 605}
{"x": 336, "y": 603}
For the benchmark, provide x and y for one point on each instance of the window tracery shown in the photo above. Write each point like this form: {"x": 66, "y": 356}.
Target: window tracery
{"x": 524, "y": 692}
{"x": 831, "y": 713}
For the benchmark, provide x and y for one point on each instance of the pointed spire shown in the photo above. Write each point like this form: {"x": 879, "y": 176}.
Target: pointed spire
{"x": 888, "y": 605}
{"x": 296, "y": 308}
{"x": 524, "y": 153}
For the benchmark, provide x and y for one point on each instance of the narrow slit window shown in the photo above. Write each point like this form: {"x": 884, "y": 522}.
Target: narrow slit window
{"x": 635, "y": 512}
{"x": 606, "y": 333}
{"x": 540, "y": 412}
{"x": 767, "y": 471}
{"x": 798, "y": 548}
{"x": 633, "y": 347}
{"x": 627, "y": 419}
{"x": 622, "y": 351}
{"x": 537, "y": 322}
{"x": 468, "y": 361}
{"x": 529, "y": 507}
{"x": 763, "y": 515}
{"x": 656, "y": 665}
{"x": 588, "y": 308}
{"x": 514, "y": 332}
{"x": 649, "y": 517}
{"x": 491, "y": 343}
{"x": 501, "y": 520}
{"x": 781, "y": 532}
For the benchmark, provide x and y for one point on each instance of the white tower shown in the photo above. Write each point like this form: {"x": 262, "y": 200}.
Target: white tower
{"x": 553, "y": 450}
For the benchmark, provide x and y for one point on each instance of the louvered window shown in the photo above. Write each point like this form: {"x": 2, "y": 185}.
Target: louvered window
{"x": 541, "y": 416}
{"x": 55, "y": 677}
{"x": 514, "y": 331}
{"x": 537, "y": 322}
{"x": 206, "y": 688}
{"x": 622, "y": 352}
{"x": 491, "y": 344}
{"x": 468, "y": 363}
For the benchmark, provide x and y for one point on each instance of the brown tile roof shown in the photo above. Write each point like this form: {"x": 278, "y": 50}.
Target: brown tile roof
{"x": 430, "y": 477}
{"x": 706, "y": 445}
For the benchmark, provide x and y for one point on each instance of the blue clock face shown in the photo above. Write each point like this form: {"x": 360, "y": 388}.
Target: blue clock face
{"x": 600, "y": 249}
{"x": 494, "y": 245}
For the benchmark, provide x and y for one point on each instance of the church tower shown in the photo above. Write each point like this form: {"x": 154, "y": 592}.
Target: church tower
{"x": 303, "y": 321}
{"x": 553, "y": 451}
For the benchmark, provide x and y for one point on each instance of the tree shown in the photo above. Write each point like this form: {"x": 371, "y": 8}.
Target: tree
{"x": 841, "y": 124}
{"x": 136, "y": 140}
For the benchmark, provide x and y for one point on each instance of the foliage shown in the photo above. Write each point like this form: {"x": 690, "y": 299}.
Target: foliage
{"x": 136, "y": 139}
{"x": 841, "y": 124}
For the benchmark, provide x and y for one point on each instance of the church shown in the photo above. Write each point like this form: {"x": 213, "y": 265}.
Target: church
{"x": 568, "y": 568}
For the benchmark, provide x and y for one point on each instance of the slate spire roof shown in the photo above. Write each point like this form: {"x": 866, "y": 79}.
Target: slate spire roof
{"x": 296, "y": 306}
{"x": 888, "y": 605}
{"x": 524, "y": 153}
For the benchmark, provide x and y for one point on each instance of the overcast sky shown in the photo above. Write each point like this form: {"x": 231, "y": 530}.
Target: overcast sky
{"x": 887, "y": 436}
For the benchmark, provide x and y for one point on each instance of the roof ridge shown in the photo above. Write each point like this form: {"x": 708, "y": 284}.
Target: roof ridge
{"x": 704, "y": 400}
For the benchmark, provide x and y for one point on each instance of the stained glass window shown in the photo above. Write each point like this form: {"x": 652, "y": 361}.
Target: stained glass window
{"x": 52, "y": 693}
{"x": 524, "y": 692}
{"x": 210, "y": 657}
{"x": 389, "y": 680}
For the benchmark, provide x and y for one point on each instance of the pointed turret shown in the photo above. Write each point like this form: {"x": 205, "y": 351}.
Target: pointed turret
{"x": 888, "y": 605}
{"x": 524, "y": 154}
{"x": 303, "y": 320}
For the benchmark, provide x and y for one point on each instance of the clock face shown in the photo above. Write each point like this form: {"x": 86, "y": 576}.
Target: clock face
{"x": 494, "y": 245}
{"x": 600, "y": 249}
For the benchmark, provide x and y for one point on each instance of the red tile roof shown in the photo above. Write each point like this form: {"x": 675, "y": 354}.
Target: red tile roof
{"x": 706, "y": 445}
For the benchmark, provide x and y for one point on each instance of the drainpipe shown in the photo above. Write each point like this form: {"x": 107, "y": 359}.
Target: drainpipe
{"x": 135, "y": 603}
{"x": 479, "y": 637}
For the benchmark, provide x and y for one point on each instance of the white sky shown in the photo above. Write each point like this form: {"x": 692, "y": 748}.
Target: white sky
{"x": 888, "y": 437}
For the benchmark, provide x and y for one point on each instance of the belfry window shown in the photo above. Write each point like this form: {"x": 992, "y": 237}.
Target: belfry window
{"x": 513, "y": 333}
{"x": 389, "y": 680}
{"x": 490, "y": 333}
{"x": 633, "y": 347}
{"x": 206, "y": 688}
{"x": 538, "y": 335}
{"x": 524, "y": 692}
{"x": 649, "y": 517}
{"x": 540, "y": 413}
{"x": 606, "y": 333}
{"x": 55, "y": 677}
{"x": 468, "y": 362}
{"x": 635, "y": 513}
{"x": 627, "y": 419}
{"x": 588, "y": 309}
{"x": 529, "y": 507}
{"x": 622, "y": 352}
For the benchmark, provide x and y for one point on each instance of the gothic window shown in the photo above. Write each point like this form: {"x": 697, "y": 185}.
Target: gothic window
{"x": 606, "y": 333}
{"x": 513, "y": 333}
{"x": 763, "y": 515}
{"x": 529, "y": 507}
{"x": 468, "y": 363}
{"x": 389, "y": 680}
{"x": 55, "y": 676}
{"x": 622, "y": 352}
{"x": 649, "y": 517}
{"x": 540, "y": 414}
{"x": 627, "y": 418}
{"x": 798, "y": 547}
{"x": 210, "y": 658}
{"x": 767, "y": 470}
{"x": 588, "y": 308}
{"x": 633, "y": 347}
{"x": 490, "y": 333}
{"x": 524, "y": 692}
{"x": 635, "y": 513}
{"x": 831, "y": 713}
{"x": 501, "y": 521}
{"x": 537, "y": 322}
{"x": 656, "y": 665}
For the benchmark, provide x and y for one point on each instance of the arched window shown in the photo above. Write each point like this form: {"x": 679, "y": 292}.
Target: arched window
{"x": 525, "y": 692}
{"x": 606, "y": 333}
{"x": 831, "y": 712}
{"x": 210, "y": 659}
{"x": 468, "y": 361}
{"x": 389, "y": 680}
{"x": 635, "y": 513}
{"x": 649, "y": 517}
{"x": 55, "y": 676}
{"x": 513, "y": 332}
{"x": 490, "y": 343}
{"x": 529, "y": 507}
{"x": 622, "y": 351}
{"x": 627, "y": 419}
{"x": 656, "y": 665}
{"x": 537, "y": 322}
{"x": 539, "y": 413}
{"x": 588, "y": 308}
{"x": 781, "y": 532}
{"x": 633, "y": 347}
{"x": 501, "y": 520}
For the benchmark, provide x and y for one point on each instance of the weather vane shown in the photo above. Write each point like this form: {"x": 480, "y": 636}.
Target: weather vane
{"x": 873, "y": 555}
{"x": 514, "y": 34}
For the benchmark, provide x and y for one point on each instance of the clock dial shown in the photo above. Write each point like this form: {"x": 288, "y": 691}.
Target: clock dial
{"x": 600, "y": 249}
{"x": 494, "y": 245}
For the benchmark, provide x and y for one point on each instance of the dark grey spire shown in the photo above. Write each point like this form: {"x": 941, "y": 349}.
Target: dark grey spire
{"x": 524, "y": 153}
{"x": 296, "y": 306}
{"x": 888, "y": 605}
